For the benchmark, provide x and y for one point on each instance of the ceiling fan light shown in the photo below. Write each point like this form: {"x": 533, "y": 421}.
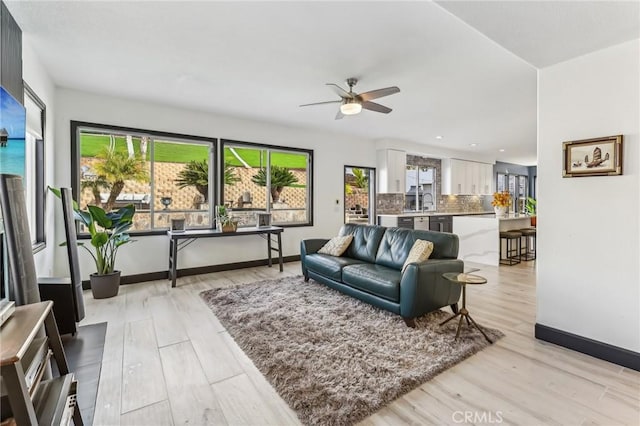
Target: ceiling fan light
{"x": 350, "y": 108}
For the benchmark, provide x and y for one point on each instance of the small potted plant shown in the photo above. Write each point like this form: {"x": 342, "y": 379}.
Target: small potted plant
{"x": 530, "y": 207}
{"x": 108, "y": 233}
{"x": 501, "y": 201}
{"x": 224, "y": 220}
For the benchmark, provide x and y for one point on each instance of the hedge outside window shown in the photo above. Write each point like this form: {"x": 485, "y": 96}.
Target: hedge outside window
{"x": 165, "y": 176}
{"x": 260, "y": 178}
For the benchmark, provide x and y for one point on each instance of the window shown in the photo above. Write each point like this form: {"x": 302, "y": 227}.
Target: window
{"x": 165, "y": 176}
{"x": 34, "y": 165}
{"x": 359, "y": 194}
{"x": 420, "y": 188}
{"x": 267, "y": 178}
{"x": 516, "y": 185}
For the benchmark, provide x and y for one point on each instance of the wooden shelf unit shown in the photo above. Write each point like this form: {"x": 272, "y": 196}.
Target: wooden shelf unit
{"x": 33, "y": 400}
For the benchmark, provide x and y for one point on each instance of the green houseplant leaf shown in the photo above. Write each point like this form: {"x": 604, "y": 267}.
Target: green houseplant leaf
{"x": 108, "y": 232}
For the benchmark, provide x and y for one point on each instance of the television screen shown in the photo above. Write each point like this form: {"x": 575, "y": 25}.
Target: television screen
{"x": 12, "y": 135}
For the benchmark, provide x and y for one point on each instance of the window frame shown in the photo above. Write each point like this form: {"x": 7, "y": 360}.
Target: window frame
{"x": 230, "y": 142}
{"x": 40, "y": 240}
{"x": 76, "y": 126}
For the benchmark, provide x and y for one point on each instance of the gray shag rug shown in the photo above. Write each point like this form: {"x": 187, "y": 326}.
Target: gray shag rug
{"x": 335, "y": 359}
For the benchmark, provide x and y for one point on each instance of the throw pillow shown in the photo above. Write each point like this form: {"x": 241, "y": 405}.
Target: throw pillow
{"x": 336, "y": 246}
{"x": 420, "y": 252}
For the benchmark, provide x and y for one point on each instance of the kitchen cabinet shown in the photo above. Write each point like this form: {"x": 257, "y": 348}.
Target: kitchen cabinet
{"x": 392, "y": 165}
{"x": 394, "y": 221}
{"x": 441, "y": 223}
{"x": 461, "y": 177}
{"x": 487, "y": 180}
{"x": 408, "y": 222}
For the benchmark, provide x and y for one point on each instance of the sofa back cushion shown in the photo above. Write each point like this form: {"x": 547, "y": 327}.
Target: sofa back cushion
{"x": 445, "y": 245}
{"x": 397, "y": 242}
{"x": 395, "y": 247}
{"x": 366, "y": 239}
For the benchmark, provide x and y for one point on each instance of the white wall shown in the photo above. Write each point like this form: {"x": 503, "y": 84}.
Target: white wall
{"x": 432, "y": 150}
{"x": 588, "y": 228}
{"x": 35, "y": 75}
{"x": 149, "y": 254}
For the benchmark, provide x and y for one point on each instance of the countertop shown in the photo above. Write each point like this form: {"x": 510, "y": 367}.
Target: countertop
{"x": 510, "y": 217}
{"x": 431, "y": 213}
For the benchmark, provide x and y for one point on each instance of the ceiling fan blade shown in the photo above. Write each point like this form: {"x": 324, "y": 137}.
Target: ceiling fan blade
{"x": 375, "y": 94}
{"x": 340, "y": 91}
{"x": 339, "y": 115}
{"x": 322, "y": 103}
{"x": 372, "y": 106}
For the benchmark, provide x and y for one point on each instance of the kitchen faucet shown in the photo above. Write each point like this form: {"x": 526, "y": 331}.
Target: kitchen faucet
{"x": 424, "y": 199}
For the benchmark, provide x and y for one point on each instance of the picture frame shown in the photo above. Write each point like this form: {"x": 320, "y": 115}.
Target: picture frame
{"x": 592, "y": 157}
{"x": 263, "y": 220}
{"x": 178, "y": 225}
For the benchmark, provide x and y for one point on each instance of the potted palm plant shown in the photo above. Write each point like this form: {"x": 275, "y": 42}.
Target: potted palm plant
{"x": 226, "y": 223}
{"x": 108, "y": 233}
{"x": 280, "y": 177}
{"x": 196, "y": 173}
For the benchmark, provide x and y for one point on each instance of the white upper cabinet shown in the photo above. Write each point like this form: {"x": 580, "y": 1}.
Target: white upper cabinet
{"x": 391, "y": 169}
{"x": 461, "y": 177}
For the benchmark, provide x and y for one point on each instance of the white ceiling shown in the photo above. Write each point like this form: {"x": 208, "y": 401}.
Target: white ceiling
{"x": 260, "y": 60}
{"x": 544, "y": 33}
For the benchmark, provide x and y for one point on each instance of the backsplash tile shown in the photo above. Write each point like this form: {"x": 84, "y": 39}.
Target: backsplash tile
{"x": 464, "y": 203}
{"x": 389, "y": 203}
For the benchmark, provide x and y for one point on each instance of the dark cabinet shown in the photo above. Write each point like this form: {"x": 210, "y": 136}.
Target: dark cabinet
{"x": 405, "y": 222}
{"x": 441, "y": 223}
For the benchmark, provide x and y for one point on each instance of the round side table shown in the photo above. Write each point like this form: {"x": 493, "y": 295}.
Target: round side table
{"x": 463, "y": 313}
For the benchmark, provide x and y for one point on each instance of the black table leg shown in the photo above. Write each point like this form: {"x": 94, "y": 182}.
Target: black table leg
{"x": 269, "y": 248}
{"x": 173, "y": 256}
{"x": 280, "y": 250}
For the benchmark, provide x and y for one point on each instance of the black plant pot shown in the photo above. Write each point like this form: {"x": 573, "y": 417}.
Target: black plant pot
{"x": 104, "y": 286}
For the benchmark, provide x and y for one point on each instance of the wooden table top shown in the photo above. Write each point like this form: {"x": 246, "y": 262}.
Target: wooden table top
{"x": 19, "y": 330}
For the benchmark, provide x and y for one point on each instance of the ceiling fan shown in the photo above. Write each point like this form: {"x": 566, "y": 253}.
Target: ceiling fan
{"x": 352, "y": 103}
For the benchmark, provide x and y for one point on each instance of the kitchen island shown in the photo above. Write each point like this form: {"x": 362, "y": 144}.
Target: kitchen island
{"x": 480, "y": 235}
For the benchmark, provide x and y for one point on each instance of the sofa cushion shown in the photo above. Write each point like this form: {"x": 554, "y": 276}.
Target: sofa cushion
{"x": 365, "y": 241}
{"x": 336, "y": 246}
{"x": 375, "y": 279}
{"x": 420, "y": 252}
{"x": 329, "y": 266}
{"x": 395, "y": 247}
{"x": 445, "y": 245}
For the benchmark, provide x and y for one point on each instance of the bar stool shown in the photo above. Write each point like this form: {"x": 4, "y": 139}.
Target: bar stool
{"x": 529, "y": 250}
{"x": 512, "y": 256}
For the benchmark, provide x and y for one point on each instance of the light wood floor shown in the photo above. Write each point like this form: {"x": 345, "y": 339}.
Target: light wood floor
{"x": 167, "y": 360}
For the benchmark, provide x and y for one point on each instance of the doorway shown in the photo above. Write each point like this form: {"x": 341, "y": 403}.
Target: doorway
{"x": 359, "y": 194}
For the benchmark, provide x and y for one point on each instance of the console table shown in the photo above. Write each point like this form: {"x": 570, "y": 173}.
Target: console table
{"x": 180, "y": 239}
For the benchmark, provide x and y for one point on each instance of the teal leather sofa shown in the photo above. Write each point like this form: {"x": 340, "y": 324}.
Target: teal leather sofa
{"x": 370, "y": 269}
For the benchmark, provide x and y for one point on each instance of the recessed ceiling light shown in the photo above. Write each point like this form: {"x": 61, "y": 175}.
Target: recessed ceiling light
{"x": 473, "y": 144}
{"x": 501, "y": 150}
{"x": 439, "y": 137}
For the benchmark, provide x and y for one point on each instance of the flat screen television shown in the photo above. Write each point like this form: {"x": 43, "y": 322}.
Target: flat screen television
{"x": 12, "y": 135}
{"x": 12, "y": 161}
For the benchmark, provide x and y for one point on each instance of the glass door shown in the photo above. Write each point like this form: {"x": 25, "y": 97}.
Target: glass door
{"x": 359, "y": 194}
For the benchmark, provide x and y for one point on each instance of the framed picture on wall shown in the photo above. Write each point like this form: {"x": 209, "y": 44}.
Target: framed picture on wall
{"x": 592, "y": 157}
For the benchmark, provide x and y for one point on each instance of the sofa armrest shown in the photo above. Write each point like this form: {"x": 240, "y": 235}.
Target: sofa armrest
{"x": 424, "y": 289}
{"x": 311, "y": 246}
